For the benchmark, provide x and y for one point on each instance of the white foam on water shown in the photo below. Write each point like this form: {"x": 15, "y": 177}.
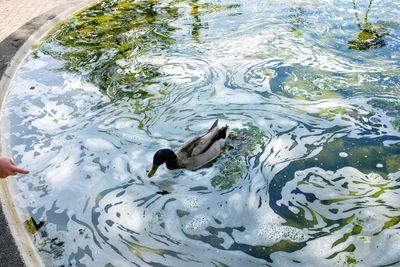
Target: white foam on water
{"x": 192, "y": 202}
{"x": 272, "y": 230}
{"x": 375, "y": 177}
{"x": 199, "y": 222}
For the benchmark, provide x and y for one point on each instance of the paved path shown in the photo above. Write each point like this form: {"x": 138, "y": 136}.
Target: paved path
{"x": 15, "y": 13}
{"x": 9, "y": 254}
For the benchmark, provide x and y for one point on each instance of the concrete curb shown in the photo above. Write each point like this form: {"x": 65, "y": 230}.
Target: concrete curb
{"x": 21, "y": 251}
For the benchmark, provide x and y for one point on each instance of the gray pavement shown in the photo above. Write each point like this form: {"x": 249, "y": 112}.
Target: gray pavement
{"x": 15, "y": 13}
{"x": 9, "y": 254}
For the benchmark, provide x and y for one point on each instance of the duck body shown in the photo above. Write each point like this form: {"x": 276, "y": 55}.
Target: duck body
{"x": 195, "y": 153}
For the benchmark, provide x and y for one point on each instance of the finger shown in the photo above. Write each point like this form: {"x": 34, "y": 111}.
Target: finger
{"x": 19, "y": 170}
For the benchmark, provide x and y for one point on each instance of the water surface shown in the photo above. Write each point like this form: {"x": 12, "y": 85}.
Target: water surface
{"x": 312, "y": 85}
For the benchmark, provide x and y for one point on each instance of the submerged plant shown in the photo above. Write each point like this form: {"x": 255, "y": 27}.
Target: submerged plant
{"x": 112, "y": 42}
{"x": 118, "y": 44}
{"x": 197, "y": 10}
{"x": 210, "y": 7}
{"x": 369, "y": 37}
{"x": 297, "y": 20}
{"x": 232, "y": 164}
{"x": 305, "y": 83}
{"x": 312, "y": 83}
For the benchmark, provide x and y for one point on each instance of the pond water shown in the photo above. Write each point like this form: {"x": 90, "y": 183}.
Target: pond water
{"x": 312, "y": 86}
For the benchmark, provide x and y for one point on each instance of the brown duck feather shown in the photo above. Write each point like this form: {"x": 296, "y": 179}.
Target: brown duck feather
{"x": 203, "y": 149}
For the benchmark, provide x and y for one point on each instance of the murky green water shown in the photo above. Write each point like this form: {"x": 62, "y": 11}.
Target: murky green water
{"x": 311, "y": 86}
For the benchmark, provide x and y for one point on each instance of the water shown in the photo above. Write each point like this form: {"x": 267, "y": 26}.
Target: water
{"x": 317, "y": 181}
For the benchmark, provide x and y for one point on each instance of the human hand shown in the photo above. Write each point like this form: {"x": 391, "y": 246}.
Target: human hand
{"x": 8, "y": 168}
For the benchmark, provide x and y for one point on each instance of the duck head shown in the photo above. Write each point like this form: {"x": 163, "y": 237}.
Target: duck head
{"x": 162, "y": 156}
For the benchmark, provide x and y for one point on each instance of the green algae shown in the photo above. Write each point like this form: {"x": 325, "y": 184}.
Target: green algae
{"x": 296, "y": 32}
{"x": 364, "y": 239}
{"x": 344, "y": 113}
{"x": 350, "y": 260}
{"x": 206, "y": 8}
{"x": 297, "y": 21}
{"x": 394, "y": 220}
{"x": 337, "y": 110}
{"x": 356, "y": 229}
{"x": 232, "y": 164}
{"x": 349, "y": 248}
{"x": 368, "y": 39}
{"x": 306, "y": 83}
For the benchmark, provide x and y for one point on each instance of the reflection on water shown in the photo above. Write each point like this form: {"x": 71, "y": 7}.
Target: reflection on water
{"x": 312, "y": 178}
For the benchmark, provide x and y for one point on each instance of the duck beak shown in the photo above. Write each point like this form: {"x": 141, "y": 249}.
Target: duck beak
{"x": 152, "y": 171}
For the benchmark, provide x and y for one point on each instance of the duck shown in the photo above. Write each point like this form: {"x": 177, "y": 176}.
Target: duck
{"x": 193, "y": 154}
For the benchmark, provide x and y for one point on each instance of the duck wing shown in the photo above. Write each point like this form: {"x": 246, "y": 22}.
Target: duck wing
{"x": 215, "y": 125}
{"x": 186, "y": 150}
{"x": 200, "y": 144}
{"x": 198, "y": 161}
